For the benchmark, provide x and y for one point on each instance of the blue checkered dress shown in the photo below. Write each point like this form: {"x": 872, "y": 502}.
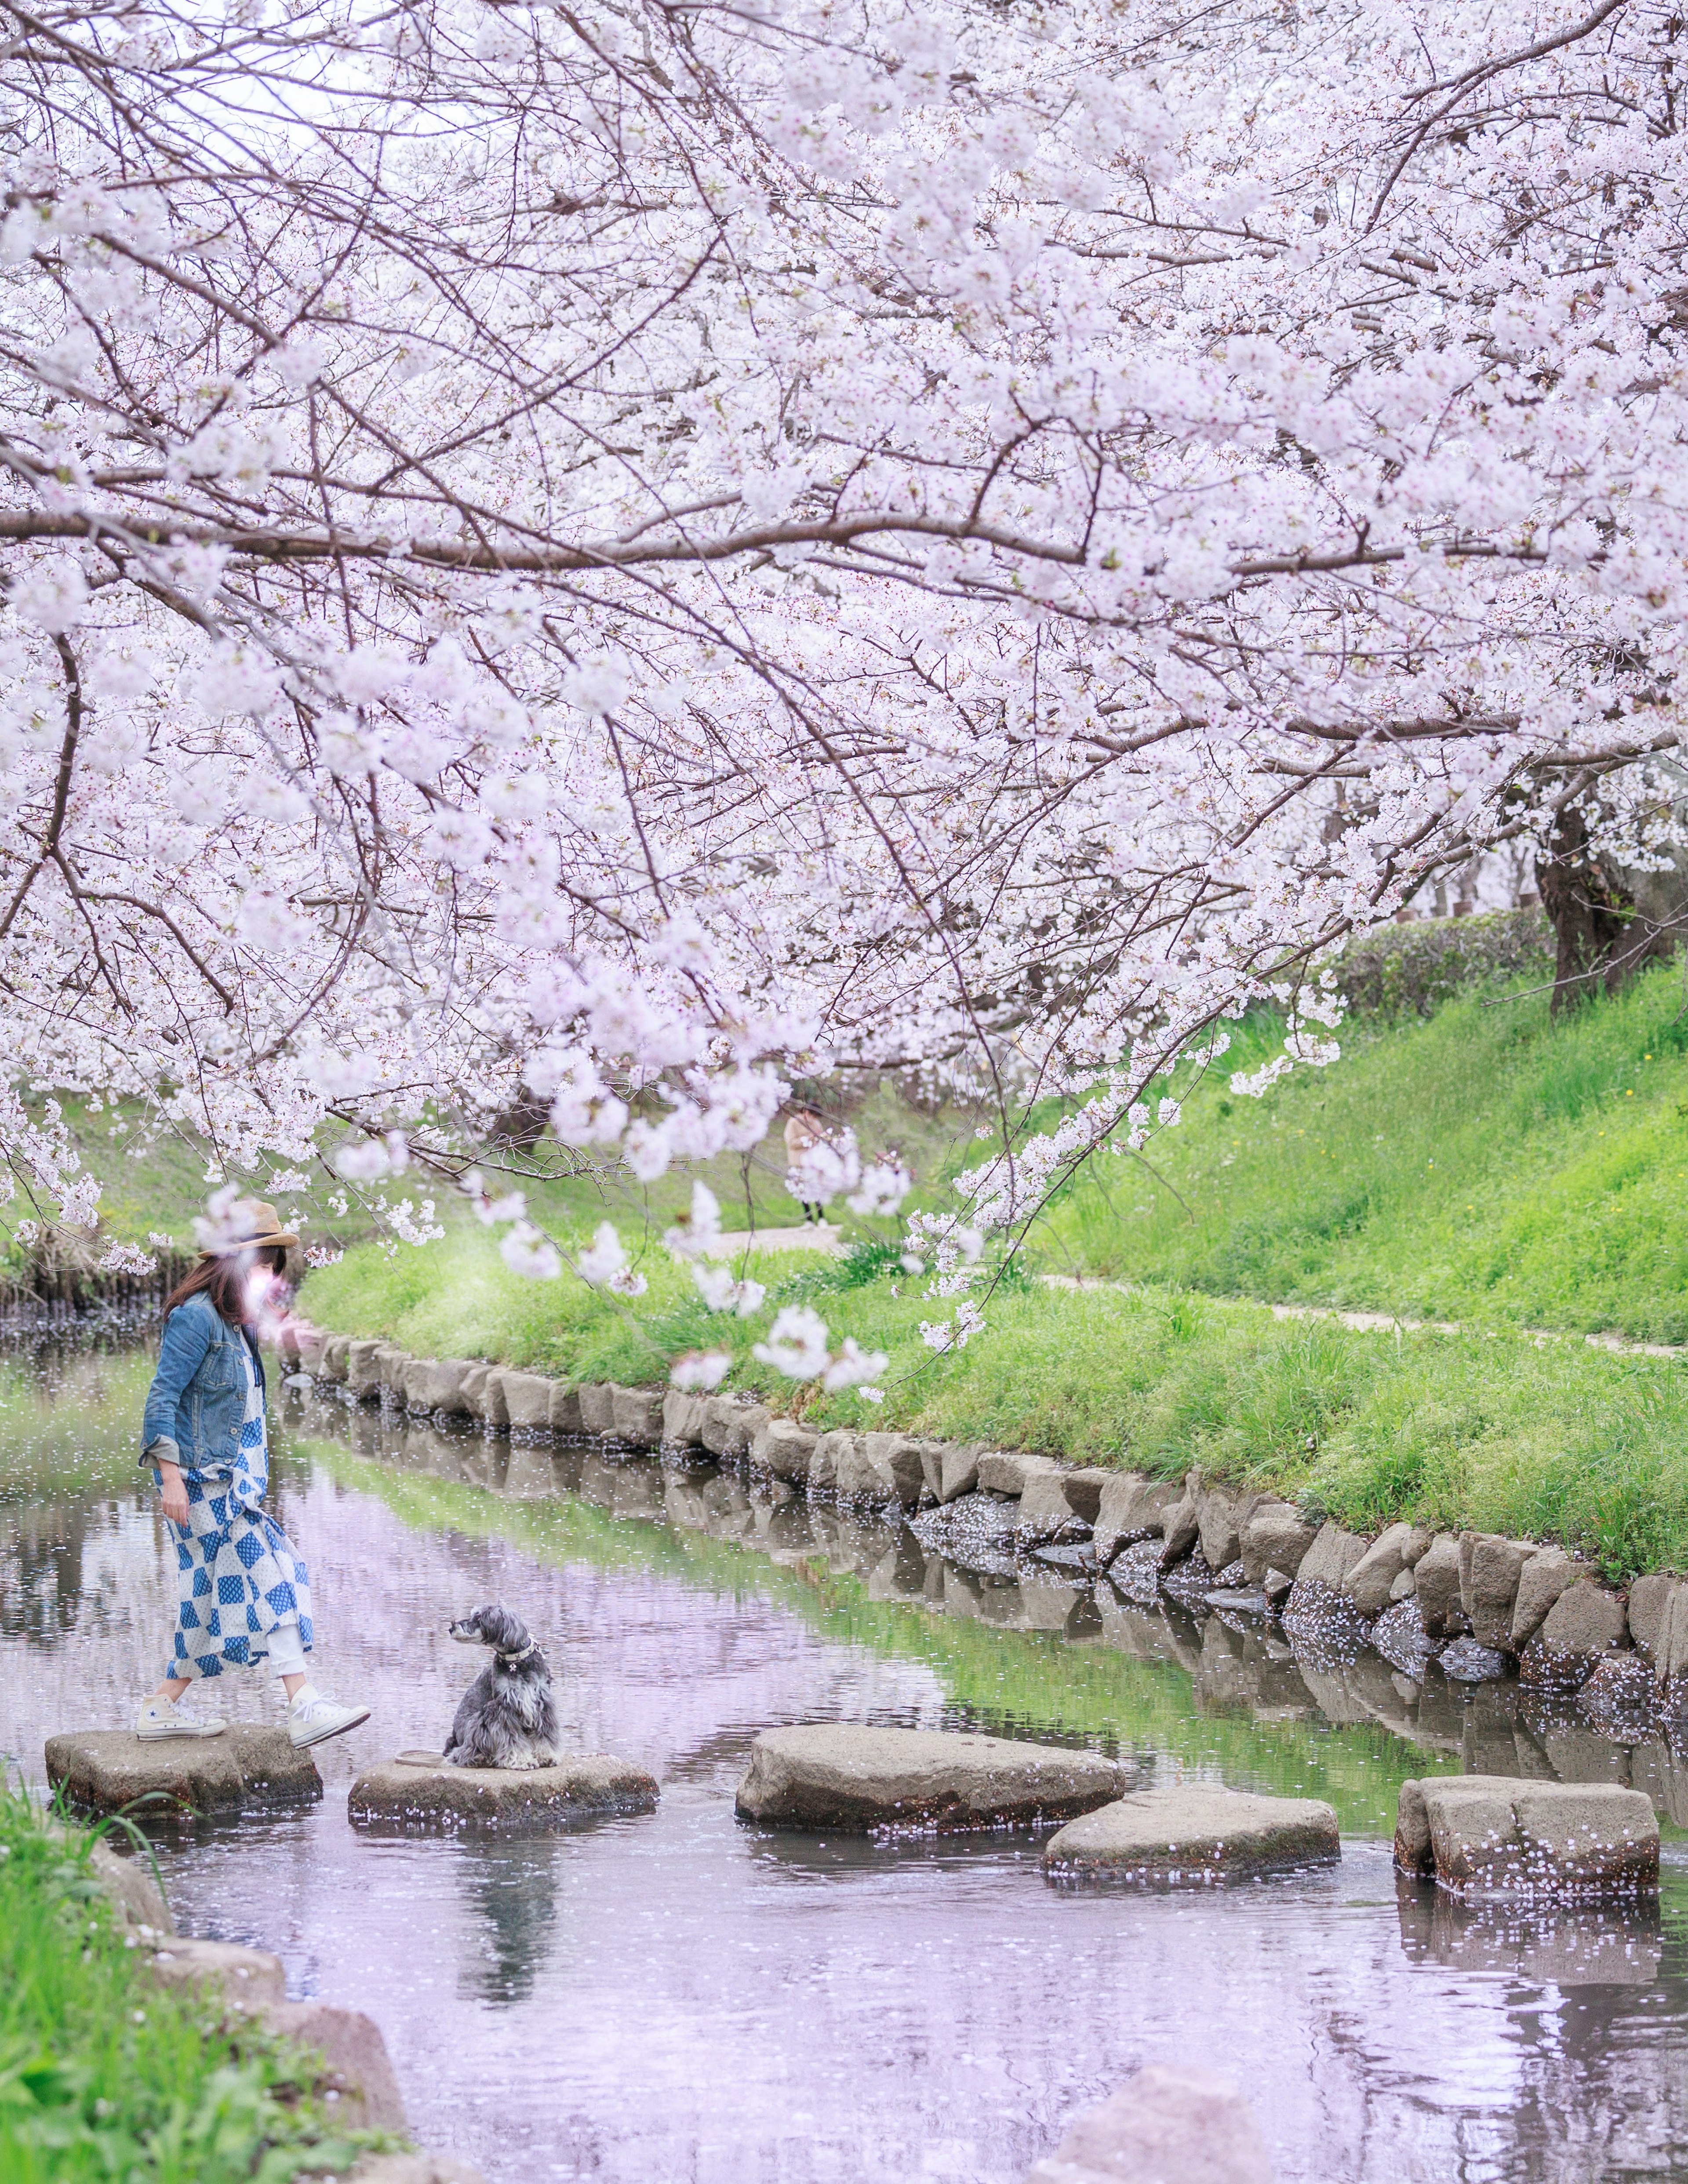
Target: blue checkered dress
{"x": 240, "y": 1574}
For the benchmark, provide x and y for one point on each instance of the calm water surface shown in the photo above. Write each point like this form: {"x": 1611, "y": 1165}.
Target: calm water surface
{"x": 676, "y": 1998}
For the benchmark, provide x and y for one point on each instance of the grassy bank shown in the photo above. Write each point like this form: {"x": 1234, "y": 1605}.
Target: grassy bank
{"x": 1493, "y": 1430}
{"x": 103, "y": 2075}
{"x": 1484, "y": 1164}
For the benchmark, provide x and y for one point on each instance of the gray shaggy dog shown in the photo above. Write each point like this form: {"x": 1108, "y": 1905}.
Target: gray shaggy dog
{"x": 508, "y": 1717}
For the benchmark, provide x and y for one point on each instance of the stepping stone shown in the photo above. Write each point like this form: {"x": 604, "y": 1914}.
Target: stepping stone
{"x": 1191, "y": 1836}
{"x": 420, "y": 1788}
{"x": 246, "y": 1768}
{"x": 853, "y": 1780}
{"x": 1485, "y": 1836}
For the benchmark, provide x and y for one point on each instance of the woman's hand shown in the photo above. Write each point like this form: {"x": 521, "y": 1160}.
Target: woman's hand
{"x": 173, "y": 1495}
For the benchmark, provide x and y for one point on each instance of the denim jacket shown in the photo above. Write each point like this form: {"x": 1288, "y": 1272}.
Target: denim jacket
{"x": 197, "y": 1399}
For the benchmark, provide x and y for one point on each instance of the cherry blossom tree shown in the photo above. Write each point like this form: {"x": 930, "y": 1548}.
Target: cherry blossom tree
{"x": 561, "y": 562}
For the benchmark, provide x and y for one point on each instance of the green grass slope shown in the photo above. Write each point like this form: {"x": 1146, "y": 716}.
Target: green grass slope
{"x": 1485, "y": 1165}
{"x": 1492, "y": 1430}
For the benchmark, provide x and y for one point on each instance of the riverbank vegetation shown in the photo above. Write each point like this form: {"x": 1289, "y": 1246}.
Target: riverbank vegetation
{"x": 104, "y": 2075}
{"x": 1488, "y": 1430}
{"x": 1483, "y": 1164}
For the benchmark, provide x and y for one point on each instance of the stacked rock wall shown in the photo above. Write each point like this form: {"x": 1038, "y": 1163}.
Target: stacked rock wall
{"x": 1479, "y": 1602}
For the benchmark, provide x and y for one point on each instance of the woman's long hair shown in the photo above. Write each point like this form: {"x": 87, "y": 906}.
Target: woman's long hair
{"x": 223, "y": 1280}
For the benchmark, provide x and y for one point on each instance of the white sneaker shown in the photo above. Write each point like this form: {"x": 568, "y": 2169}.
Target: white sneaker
{"x": 168, "y": 1717}
{"x": 312, "y": 1717}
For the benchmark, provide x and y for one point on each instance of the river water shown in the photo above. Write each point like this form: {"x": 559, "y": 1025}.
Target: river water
{"x": 677, "y": 1997}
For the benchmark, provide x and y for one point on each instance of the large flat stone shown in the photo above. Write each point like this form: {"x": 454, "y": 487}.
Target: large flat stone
{"x": 1484, "y": 1837}
{"x": 855, "y": 1779}
{"x": 1192, "y": 1835}
{"x": 246, "y": 1769}
{"x": 1163, "y": 2126}
{"x": 423, "y": 1791}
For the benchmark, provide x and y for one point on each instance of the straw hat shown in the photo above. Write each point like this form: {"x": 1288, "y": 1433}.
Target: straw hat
{"x": 256, "y": 1225}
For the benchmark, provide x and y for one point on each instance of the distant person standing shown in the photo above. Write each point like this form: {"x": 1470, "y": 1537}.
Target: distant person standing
{"x": 808, "y": 1139}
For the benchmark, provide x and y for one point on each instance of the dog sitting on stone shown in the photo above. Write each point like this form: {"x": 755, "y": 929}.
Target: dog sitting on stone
{"x": 508, "y": 1717}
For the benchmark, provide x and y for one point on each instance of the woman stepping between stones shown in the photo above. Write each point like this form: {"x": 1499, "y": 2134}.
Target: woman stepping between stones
{"x": 245, "y": 1590}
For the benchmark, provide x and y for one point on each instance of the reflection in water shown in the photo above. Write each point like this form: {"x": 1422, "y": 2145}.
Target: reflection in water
{"x": 677, "y": 1997}
{"x": 510, "y": 1899}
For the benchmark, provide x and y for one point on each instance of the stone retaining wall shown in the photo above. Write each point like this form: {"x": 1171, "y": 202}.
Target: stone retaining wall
{"x": 1480, "y": 1603}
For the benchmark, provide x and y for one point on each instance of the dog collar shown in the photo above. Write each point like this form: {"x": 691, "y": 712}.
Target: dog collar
{"x": 531, "y": 1647}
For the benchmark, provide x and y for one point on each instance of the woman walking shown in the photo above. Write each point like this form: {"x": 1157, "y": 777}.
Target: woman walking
{"x": 245, "y": 1592}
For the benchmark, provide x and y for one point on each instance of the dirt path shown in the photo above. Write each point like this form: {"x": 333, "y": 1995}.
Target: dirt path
{"x": 1382, "y": 1322}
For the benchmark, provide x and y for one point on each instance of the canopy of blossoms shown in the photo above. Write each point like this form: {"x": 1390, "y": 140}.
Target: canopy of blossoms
{"x": 571, "y": 560}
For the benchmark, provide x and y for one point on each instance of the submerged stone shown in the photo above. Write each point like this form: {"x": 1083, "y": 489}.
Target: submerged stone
{"x": 246, "y": 1769}
{"x": 1468, "y": 1662}
{"x": 1399, "y": 1634}
{"x": 857, "y": 1780}
{"x": 1192, "y": 1835}
{"x": 1189, "y": 1582}
{"x": 420, "y": 1788}
{"x": 1491, "y": 1835}
{"x": 1162, "y": 2125}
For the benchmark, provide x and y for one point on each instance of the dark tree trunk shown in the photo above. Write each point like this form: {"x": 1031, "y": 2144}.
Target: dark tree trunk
{"x": 1602, "y": 939}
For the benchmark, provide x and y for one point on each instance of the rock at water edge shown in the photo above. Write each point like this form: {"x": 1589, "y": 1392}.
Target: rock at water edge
{"x": 1435, "y": 1581}
{"x": 637, "y": 1416}
{"x": 952, "y": 1469}
{"x": 1275, "y": 1535}
{"x": 483, "y": 1395}
{"x": 1369, "y": 1585}
{"x": 1130, "y": 1509}
{"x": 1193, "y": 1835}
{"x": 1493, "y": 1836}
{"x": 682, "y": 1418}
{"x": 1543, "y": 1577}
{"x": 856, "y": 1779}
{"x": 730, "y": 1426}
{"x": 103, "y": 1771}
{"x": 425, "y": 1791}
{"x": 1046, "y": 1516}
{"x": 1583, "y": 1624}
{"x": 248, "y": 1978}
{"x": 785, "y": 1448}
{"x": 1163, "y": 2126}
{"x": 1467, "y": 1663}
{"x": 527, "y": 1402}
{"x": 359, "y": 2069}
{"x": 1005, "y": 1471}
{"x": 1489, "y": 1568}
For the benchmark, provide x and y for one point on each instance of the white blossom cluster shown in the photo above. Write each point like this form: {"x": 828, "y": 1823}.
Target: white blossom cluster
{"x": 558, "y": 564}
